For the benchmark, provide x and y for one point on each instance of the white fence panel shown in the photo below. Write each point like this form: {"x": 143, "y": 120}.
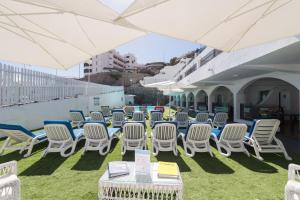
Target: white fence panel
{"x": 23, "y": 86}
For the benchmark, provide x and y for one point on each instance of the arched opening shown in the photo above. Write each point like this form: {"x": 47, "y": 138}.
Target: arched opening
{"x": 222, "y": 101}
{"x": 271, "y": 98}
{"x": 178, "y": 100}
{"x": 183, "y": 100}
{"x": 190, "y": 101}
{"x": 201, "y": 101}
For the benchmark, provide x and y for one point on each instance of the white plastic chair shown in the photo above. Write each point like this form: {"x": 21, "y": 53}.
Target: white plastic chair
{"x": 220, "y": 120}
{"x": 201, "y": 118}
{"x": 262, "y": 138}
{"x": 9, "y": 182}
{"x": 164, "y": 138}
{"x": 292, "y": 188}
{"x": 182, "y": 119}
{"x": 134, "y": 137}
{"x": 98, "y": 137}
{"x": 118, "y": 119}
{"x": 138, "y": 117}
{"x": 155, "y": 116}
{"x": 78, "y": 118}
{"x": 22, "y": 137}
{"x": 61, "y": 137}
{"x": 230, "y": 139}
{"x": 196, "y": 139}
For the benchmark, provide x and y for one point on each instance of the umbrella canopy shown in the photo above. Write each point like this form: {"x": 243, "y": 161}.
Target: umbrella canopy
{"x": 58, "y": 33}
{"x": 226, "y": 25}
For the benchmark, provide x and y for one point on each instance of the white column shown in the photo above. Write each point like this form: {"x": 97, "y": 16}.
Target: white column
{"x": 209, "y": 103}
{"x": 186, "y": 102}
{"x": 236, "y": 107}
{"x": 195, "y": 103}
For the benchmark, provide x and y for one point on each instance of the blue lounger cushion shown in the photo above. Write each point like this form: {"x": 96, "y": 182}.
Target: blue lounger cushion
{"x": 39, "y": 134}
{"x": 75, "y": 133}
{"x": 251, "y": 129}
{"x": 216, "y": 132}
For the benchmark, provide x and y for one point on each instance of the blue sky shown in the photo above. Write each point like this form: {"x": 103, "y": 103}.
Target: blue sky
{"x": 150, "y": 48}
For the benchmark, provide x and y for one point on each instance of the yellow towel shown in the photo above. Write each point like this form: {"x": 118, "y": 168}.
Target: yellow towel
{"x": 168, "y": 169}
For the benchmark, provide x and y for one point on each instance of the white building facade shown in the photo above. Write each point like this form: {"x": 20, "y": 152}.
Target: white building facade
{"x": 111, "y": 61}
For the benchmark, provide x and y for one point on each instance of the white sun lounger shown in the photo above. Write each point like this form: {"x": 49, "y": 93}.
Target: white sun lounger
{"x": 78, "y": 118}
{"x": 262, "y": 138}
{"x": 201, "y": 117}
{"x": 17, "y": 135}
{"x": 98, "y": 117}
{"x": 138, "y": 117}
{"x": 61, "y": 137}
{"x": 164, "y": 137}
{"x": 155, "y": 116}
{"x": 133, "y": 137}
{"x": 118, "y": 119}
{"x": 196, "y": 139}
{"x": 182, "y": 119}
{"x": 105, "y": 111}
{"x": 98, "y": 137}
{"x": 220, "y": 120}
{"x": 230, "y": 139}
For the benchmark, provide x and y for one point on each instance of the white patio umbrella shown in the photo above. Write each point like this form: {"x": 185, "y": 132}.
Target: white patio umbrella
{"x": 58, "y": 33}
{"x": 222, "y": 24}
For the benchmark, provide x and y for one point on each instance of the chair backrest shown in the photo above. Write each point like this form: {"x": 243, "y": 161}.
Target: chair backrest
{"x": 233, "y": 132}
{"x": 165, "y": 131}
{"x": 96, "y": 131}
{"x": 118, "y": 116}
{"x": 77, "y": 115}
{"x": 133, "y": 131}
{"x": 198, "y": 132}
{"x": 144, "y": 110}
{"x": 202, "y": 117}
{"x": 156, "y": 116}
{"x": 182, "y": 116}
{"x": 105, "y": 111}
{"x": 138, "y": 116}
{"x": 7, "y": 169}
{"x": 220, "y": 119}
{"x": 16, "y": 132}
{"x": 264, "y": 130}
{"x": 129, "y": 109}
{"x": 59, "y": 130}
{"x": 97, "y": 116}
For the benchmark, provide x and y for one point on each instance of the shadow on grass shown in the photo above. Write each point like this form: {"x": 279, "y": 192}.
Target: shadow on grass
{"x": 92, "y": 160}
{"x": 44, "y": 166}
{"x": 170, "y": 157}
{"x": 48, "y": 164}
{"x": 15, "y": 155}
{"x": 253, "y": 163}
{"x": 212, "y": 164}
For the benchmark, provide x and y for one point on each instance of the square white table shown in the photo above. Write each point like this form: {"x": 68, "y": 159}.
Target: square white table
{"x": 126, "y": 187}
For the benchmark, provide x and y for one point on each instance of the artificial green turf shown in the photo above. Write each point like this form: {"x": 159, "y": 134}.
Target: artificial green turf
{"x": 76, "y": 177}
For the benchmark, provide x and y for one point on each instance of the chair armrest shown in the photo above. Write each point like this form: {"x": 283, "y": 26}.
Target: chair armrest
{"x": 294, "y": 172}
{"x": 8, "y": 168}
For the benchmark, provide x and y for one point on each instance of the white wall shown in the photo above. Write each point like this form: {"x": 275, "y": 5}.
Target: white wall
{"x": 32, "y": 115}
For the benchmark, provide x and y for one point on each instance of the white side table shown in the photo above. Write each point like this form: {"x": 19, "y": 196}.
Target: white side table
{"x": 126, "y": 187}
